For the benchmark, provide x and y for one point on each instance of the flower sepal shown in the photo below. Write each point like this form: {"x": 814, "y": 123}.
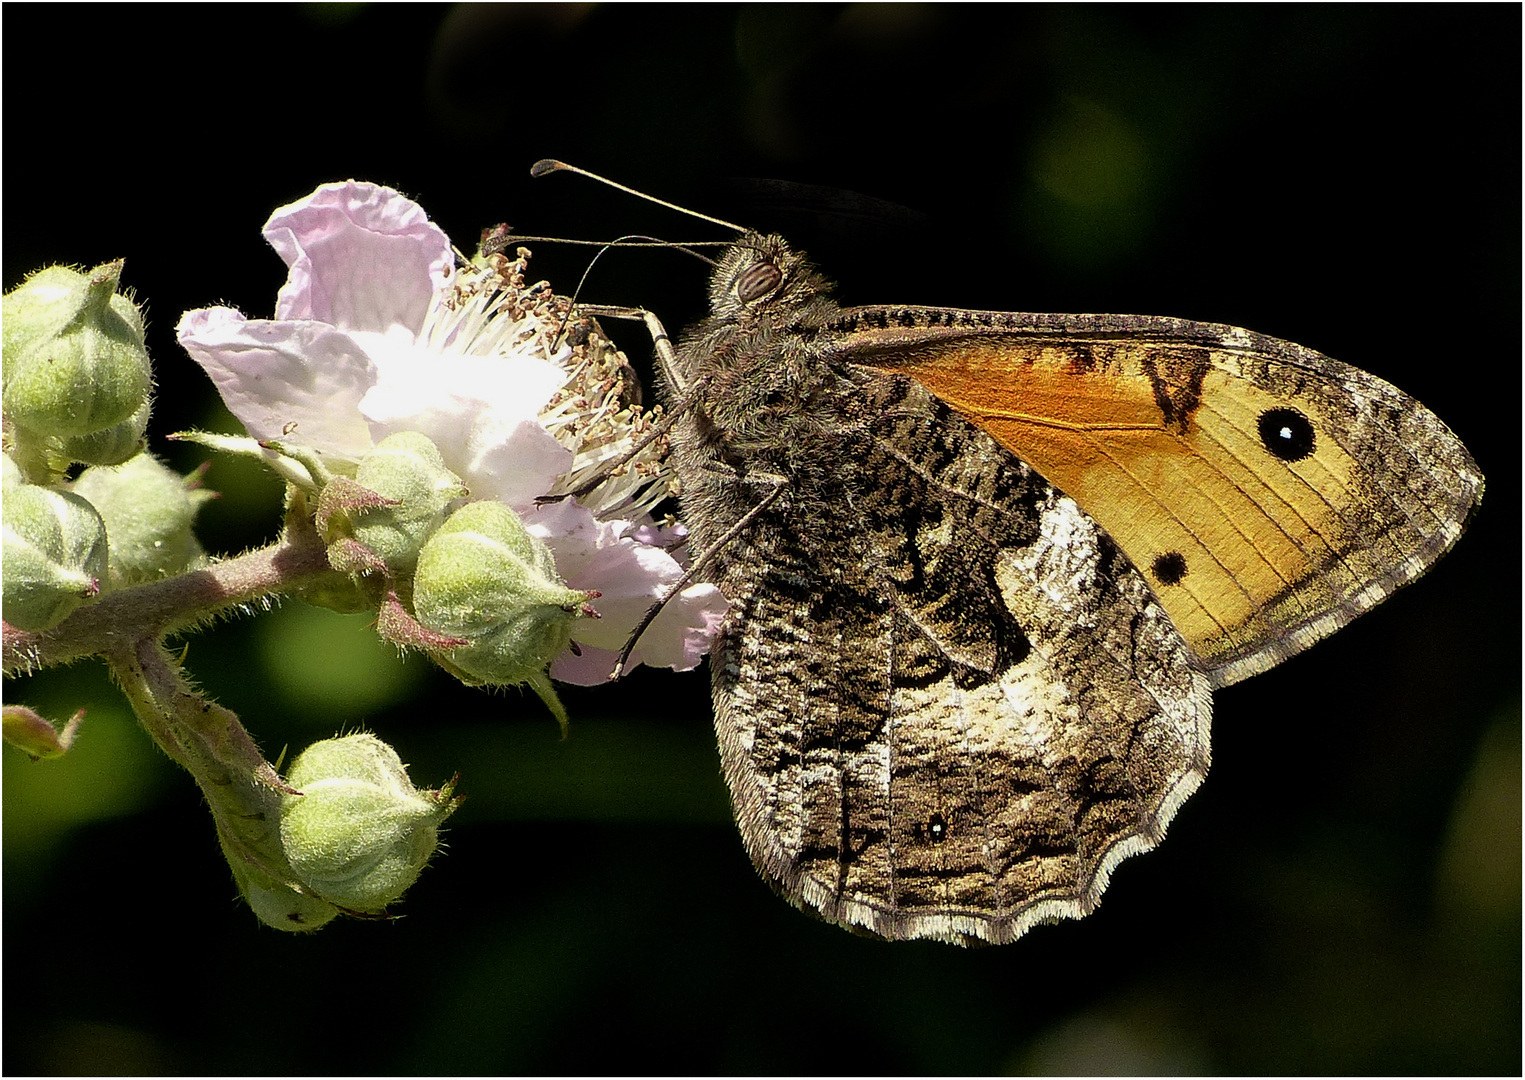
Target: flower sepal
{"x": 290, "y": 462}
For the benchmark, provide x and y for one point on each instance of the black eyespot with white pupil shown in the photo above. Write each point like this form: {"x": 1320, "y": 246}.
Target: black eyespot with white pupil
{"x": 757, "y": 281}
{"x": 1287, "y": 433}
{"x": 937, "y": 829}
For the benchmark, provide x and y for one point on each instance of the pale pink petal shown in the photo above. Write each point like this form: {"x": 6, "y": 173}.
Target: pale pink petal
{"x": 573, "y": 534}
{"x": 482, "y": 413}
{"x": 512, "y": 460}
{"x": 630, "y": 577}
{"x": 360, "y": 257}
{"x": 589, "y": 666}
{"x": 681, "y": 635}
{"x": 272, "y": 375}
{"x": 678, "y": 638}
{"x": 670, "y": 538}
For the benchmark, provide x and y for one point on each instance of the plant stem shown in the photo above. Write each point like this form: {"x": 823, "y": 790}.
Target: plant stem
{"x": 158, "y": 608}
{"x": 242, "y": 789}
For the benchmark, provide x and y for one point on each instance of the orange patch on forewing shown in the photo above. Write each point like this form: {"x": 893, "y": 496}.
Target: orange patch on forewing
{"x": 1161, "y": 447}
{"x": 1041, "y": 383}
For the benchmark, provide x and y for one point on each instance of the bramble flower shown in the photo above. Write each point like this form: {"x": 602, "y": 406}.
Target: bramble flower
{"x": 377, "y": 331}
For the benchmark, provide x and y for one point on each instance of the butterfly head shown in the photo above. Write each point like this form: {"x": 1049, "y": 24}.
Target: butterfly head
{"x": 761, "y": 277}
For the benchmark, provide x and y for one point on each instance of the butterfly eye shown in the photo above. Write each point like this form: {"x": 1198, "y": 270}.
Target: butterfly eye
{"x": 758, "y": 280}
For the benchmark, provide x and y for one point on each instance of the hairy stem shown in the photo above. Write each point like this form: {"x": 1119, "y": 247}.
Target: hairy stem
{"x": 151, "y": 611}
{"x": 242, "y": 789}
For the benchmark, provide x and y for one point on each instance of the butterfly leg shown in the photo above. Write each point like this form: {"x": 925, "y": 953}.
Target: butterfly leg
{"x": 702, "y": 561}
{"x": 687, "y": 394}
{"x": 659, "y": 339}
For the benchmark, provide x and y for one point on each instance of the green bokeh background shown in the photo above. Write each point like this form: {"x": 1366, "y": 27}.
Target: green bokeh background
{"x": 1343, "y": 894}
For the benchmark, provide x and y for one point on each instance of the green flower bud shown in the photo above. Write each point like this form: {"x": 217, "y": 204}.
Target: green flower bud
{"x": 12, "y": 474}
{"x": 74, "y": 357}
{"x": 24, "y": 728}
{"x": 360, "y": 832}
{"x": 484, "y": 578}
{"x": 399, "y": 496}
{"x": 148, "y": 511}
{"x": 276, "y": 904}
{"x": 54, "y": 555}
{"x": 109, "y": 446}
{"x": 38, "y": 459}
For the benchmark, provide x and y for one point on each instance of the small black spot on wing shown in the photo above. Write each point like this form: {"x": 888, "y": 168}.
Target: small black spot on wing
{"x": 933, "y": 831}
{"x": 1169, "y": 568}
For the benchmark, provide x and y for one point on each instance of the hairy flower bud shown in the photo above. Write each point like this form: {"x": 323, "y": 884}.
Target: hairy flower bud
{"x": 148, "y": 509}
{"x": 274, "y": 903}
{"x": 399, "y": 496}
{"x": 74, "y": 357}
{"x": 54, "y": 555}
{"x": 484, "y": 578}
{"x": 360, "y": 832}
{"x": 109, "y": 446}
{"x": 26, "y": 729}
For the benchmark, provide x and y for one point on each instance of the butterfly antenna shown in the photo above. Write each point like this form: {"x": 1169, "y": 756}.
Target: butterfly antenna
{"x": 546, "y": 166}
{"x": 572, "y": 302}
{"x": 623, "y": 241}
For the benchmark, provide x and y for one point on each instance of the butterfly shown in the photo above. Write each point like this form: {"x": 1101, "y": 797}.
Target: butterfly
{"x": 986, "y": 569}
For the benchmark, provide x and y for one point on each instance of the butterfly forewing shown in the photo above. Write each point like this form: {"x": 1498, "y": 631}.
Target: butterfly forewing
{"x": 1268, "y": 493}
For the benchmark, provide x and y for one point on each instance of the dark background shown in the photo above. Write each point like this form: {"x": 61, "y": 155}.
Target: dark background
{"x": 1342, "y": 896}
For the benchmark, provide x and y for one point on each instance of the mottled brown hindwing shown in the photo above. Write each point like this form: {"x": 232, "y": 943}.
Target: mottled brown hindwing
{"x": 947, "y": 705}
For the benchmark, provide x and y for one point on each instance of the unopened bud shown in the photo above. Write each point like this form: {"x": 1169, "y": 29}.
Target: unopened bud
{"x": 54, "y": 555}
{"x": 483, "y": 577}
{"x": 148, "y": 510}
{"x": 109, "y": 446}
{"x": 276, "y": 904}
{"x": 28, "y": 730}
{"x": 360, "y": 832}
{"x": 74, "y": 357}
